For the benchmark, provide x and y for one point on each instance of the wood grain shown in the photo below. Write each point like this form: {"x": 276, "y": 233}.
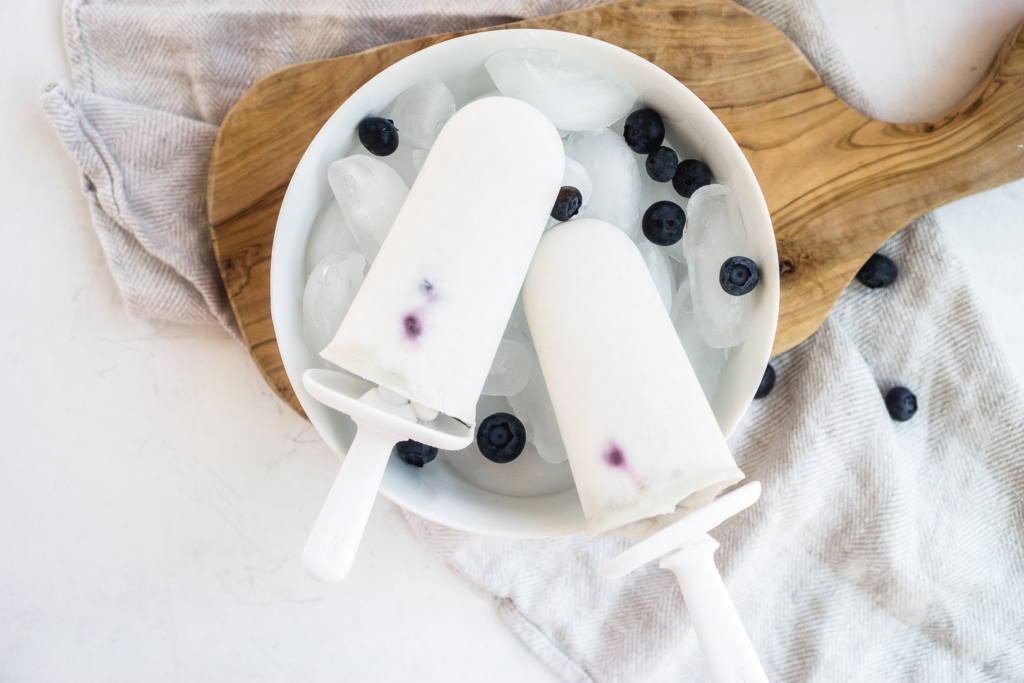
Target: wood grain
{"x": 837, "y": 182}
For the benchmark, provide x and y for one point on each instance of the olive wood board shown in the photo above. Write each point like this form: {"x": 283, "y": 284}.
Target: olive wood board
{"x": 837, "y": 182}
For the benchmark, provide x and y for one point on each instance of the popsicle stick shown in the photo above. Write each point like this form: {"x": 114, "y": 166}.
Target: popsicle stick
{"x": 837, "y": 182}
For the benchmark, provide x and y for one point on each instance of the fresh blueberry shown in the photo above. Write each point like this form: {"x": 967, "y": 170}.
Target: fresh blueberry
{"x": 767, "y": 382}
{"x": 902, "y": 403}
{"x": 644, "y": 131}
{"x": 661, "y": 164}
{"x": 567, "y": 204}
{"x": 663, "y": 223}
{"x": 738, "y": 276}
{"x": 379, "y": 136}
{"x": 879, "y": 271}
{"x": 501, "y": 437}
{"x": 691, "y": 175}
{"x": 415, "y": 453}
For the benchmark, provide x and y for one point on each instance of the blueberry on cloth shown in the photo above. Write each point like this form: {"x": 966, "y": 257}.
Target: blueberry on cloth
{"x": 567, "y": 203}
{"x": 501, "y": 437}
{"x": 644, "y": 131}
{"x": 767, "y": 382}
{"x": 691, "y": 175}
{"x": 415, "y": 453}
{"x": 901, "y": 403}
{"x": 379, "y": 136}
{"x": 663, "y": 223}
{"x": 879, "y": 271}
{"x": 661, "y": 164}
{"x": 738, "y": 276}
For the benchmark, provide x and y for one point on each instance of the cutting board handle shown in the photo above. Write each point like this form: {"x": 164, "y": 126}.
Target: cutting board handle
{"x": 979, "y": 143}
{"x": 874, "y": 177}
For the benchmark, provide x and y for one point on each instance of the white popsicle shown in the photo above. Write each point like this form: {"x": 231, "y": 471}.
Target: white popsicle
{"x": 430, "y": 314}
{"x": 640, "y": 435}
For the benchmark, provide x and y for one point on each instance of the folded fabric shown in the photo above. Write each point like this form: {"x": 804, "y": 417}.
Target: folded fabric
{"x": 152, "y": 81}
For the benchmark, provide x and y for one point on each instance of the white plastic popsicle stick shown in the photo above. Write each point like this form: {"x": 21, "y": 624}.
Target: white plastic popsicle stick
{"x": 335, "y": 537}
{"x": 686, "y": 549}
{"x": 728, "y": 652}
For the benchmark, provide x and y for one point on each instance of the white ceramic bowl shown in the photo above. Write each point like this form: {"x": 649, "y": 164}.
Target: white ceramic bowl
{"x": 437, "y": 492}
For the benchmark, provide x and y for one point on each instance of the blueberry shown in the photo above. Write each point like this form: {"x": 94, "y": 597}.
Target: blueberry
{"x": 501, "y": 437}
{"x": 902, "y": 403}
{"x": 415, "y": 453}
{"x": 644, "y": 131}
{"x": 663, "y": 223}
{"x": 661, "y": 164}
{"x": 738, "y": 276}
{"x": 767, "y": 382}
{"x": 379, "y": 136}
{"x": 691, "y": 175}
{"x": 879, "y": 271}
{"x": 567, "y": 204}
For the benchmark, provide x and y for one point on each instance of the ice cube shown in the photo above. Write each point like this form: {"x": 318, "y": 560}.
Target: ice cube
{"x": 615, "y": 177}
{"x": 370, "y": 194}
{"x": 714, "y": 232}
{"x": 661, "y": 271}
{"x": 421, "y": 111}
{"x": 707, "y": 362}
{"x": 517, "y": 329}
{"x": 677, "y": 251}
{"x": 418, "y": 157}
{"x": 401, "y": 161}
{"x": 577, "y": 176}
{"x": 329, "y": 292}
{"x": 533, "y": 406}
{"x": 528, "y": 475}
{"x": 510, "y": 370}
{"x": 329, "y": 235}
{"x": 572, "y": 94}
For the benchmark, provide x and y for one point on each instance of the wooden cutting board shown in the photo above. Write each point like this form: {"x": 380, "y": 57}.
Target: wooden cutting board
{"x": 837, "y": 183}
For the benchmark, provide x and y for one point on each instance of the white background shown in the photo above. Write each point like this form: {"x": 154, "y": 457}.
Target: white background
{"x": 155, "y": 495}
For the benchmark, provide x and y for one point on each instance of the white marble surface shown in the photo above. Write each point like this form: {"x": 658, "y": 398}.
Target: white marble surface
{"x": 154, "y": 495}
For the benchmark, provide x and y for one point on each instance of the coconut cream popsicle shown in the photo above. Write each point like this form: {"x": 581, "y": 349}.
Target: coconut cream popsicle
{"x": 639, "y": 433}
{"x": 428, "y": 318}
{"x": 430, "y": 314}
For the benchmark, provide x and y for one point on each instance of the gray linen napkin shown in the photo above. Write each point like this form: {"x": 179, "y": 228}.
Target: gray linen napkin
{"x": 879, "y": 551}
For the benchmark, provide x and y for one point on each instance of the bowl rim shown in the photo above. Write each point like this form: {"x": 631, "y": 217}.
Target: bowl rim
{"x": 433, "y": 505}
